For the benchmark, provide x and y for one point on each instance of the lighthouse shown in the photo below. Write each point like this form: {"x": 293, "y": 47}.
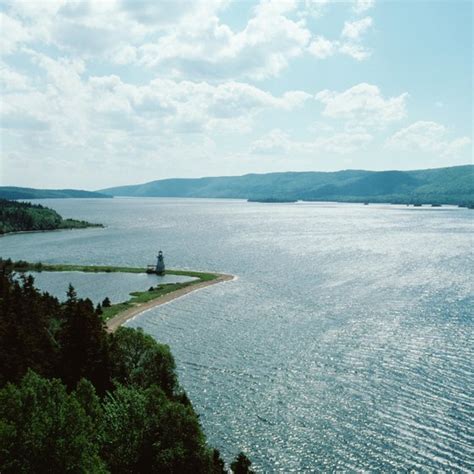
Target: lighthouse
{"x": 160, "y": 264}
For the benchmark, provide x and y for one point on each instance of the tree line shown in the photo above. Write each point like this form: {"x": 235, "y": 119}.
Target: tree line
{"x": 74, "y": 398}
{"x": 18, "y": 216}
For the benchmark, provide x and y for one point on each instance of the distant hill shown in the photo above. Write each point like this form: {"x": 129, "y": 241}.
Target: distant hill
{"x": 13, "y": 192}
{"x": 453, "y": 185}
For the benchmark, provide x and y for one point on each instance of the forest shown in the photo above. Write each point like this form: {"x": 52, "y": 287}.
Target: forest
{"x": 451, "y": 185}
{"x": 24, "y": 216}
{"x": 75, "y": 398}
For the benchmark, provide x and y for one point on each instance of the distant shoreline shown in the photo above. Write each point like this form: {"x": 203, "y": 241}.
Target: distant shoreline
{"x": 18, "y": 232}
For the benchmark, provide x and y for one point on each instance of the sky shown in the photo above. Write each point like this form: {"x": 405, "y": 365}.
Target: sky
{"x": 110, "y": 92}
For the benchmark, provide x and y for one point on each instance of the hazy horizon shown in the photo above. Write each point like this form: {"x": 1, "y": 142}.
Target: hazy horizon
{"x": 101, "y": 94}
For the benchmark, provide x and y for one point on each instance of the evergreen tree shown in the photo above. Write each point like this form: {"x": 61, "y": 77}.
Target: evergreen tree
{"x": 84, "y": 345}
{"x": 241, "y": 465}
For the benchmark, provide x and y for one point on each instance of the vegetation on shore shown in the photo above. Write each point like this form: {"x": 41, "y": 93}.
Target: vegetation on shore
{"x": 22, "y": 265}
{"x": 140, "y": 297}
{"x": 108, "y": 311}
{"x": 451, "y": 185}
{"x": 25, "y": 216}
{"x": 74, "y": 398}
{"x": 272, "y": 200}
{"x": 15, "y": 192}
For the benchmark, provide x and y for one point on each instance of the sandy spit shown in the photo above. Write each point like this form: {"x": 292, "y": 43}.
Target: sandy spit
{"x": 114, "y": 323}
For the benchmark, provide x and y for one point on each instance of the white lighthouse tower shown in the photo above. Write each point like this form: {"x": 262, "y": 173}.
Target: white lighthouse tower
{"x": 160, "y": 264}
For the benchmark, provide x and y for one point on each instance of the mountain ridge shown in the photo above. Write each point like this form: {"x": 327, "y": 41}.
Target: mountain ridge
{"x": 16, "y": 192}
{"x": 449, "y": 185}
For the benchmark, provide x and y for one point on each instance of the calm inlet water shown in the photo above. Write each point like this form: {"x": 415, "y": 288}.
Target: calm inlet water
{"x": 96, "y": 286}
{"x": 346, "y": 343}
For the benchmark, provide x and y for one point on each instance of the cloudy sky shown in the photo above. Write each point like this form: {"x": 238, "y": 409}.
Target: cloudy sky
{"x": 112, "y": 92}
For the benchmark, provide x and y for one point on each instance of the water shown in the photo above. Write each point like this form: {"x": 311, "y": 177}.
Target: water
{"x": 96, "y": 286}
{"x": 346, "y": 343}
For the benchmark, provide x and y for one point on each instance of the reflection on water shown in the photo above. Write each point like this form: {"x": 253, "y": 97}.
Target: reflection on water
{"x": 345, "y": 344}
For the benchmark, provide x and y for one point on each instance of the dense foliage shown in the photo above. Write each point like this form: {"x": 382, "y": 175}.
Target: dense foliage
{"x": 14, "y": 192}
{"x": 24, "y": 216}
{"x": 454, "y": 185}
{"x": 74, "y": 398}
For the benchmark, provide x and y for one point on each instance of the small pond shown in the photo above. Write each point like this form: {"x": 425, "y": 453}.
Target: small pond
{"x": 96, "y": 286}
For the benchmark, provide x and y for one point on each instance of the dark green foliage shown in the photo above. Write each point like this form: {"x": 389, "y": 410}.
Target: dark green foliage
{"x": 137, "y": 359}
{"x": 144, "y": 431}
{"x": 217, "y": 463}
{"x": 84, "y": 345}
{"x": 106, "y": 303}
{"x": 452, "y": 185}
{"x": 45, "y": 429}
{"x": 114, "y": 404}
{"x": 24, "y": 216}
{"x": 14, "y": 192}
{"x": 241, "y": 464}
{"x": 27, "y": 329}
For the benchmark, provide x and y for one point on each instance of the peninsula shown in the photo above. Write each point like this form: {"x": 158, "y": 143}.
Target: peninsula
{"x": 114, "y": 315}
{"x": 27, "y": 217}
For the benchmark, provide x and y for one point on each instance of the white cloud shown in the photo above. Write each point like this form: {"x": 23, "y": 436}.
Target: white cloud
{"x": 13, "y": 33}
{"x": 277, "y": 142}
{"x": 211, "y": 49}
{"x": 353, "y": 30}
{"x": 12, "y": 80}
{"x": 363, "y": 104}
{"x": 322, "y": 47}
{"x": 355, "y": 51}
{"x": 429, "y": 137}
{"x": 349, "y": 45}
{"x": 76, "y": 109}
{"x": 361, "y": 6}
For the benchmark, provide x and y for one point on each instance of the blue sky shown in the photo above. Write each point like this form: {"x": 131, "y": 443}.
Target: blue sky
{"x": 96, "y": 94}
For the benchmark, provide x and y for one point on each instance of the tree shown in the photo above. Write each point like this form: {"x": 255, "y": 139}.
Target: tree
{"x": 136, "y": 358}
{"x": 146, "y": 432}
{"x": 45, "y": 429}
{"x": 241, "y": 465}
{"x": 27, "y": 337}
{"x": 84, "y": 345}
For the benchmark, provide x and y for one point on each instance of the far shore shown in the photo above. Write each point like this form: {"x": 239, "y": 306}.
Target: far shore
{"x": 19, "y": 232}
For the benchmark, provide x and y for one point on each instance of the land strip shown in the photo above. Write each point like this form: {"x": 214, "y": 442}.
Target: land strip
{"x": 136, "y": 308}
{"x": 117, "y": 314}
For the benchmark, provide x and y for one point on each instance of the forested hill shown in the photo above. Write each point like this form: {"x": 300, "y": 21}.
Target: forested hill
{"x": 13, "y": 192}
{"x": 24, "y": 216}
{"x": 453, "y": 185}
{"x": 74, "y": 398}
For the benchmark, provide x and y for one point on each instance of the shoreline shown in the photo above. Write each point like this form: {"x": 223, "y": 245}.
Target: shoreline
{"x": 19, "y": 232}
{"x": 116, "y": 314}
{"x": 116, "y": 321}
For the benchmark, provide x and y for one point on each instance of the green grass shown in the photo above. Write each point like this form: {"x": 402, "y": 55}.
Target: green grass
{"x": 137, "y": 297}
{"x": 62, "y": 267}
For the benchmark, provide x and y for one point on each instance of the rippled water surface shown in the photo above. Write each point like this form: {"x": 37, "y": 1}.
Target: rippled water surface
{"x": 346, "y": 343}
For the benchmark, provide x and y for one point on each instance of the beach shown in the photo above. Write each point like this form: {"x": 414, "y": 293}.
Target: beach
{"x": 114, "y": 323}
